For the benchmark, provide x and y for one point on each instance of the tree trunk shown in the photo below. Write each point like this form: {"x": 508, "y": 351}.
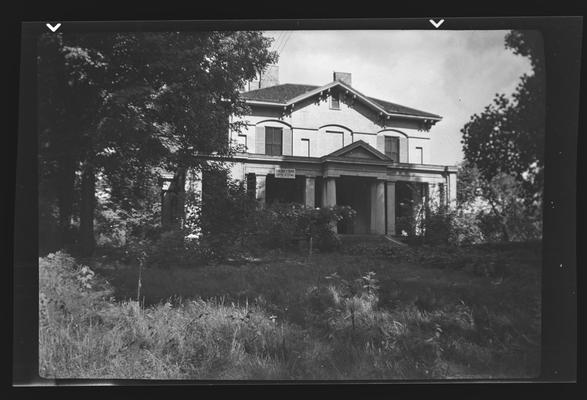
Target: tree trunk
{"x": 502, "y": 220}
{"x": 65, "y": 194}
{"x": 88, "y": 194}
{"x": 180, "y": 210}
{"x": 173, "y": 202}
{"x": 504, "y": 230}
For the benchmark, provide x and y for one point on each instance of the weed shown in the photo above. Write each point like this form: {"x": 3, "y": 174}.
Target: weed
{"x": 368, "y": 317}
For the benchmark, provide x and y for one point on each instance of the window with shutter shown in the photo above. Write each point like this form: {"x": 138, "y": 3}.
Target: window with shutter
{"x": 392, "y": 148}
{"x": 273, "y": 141}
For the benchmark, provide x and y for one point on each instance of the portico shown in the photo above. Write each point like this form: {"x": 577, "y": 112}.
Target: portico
{"x": 357, "y": 175}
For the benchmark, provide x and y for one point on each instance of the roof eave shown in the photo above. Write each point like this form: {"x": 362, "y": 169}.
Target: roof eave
{"x": 264, "y": 103}
{"x": 382, "y": 110}
{"x": 354, "y": 91}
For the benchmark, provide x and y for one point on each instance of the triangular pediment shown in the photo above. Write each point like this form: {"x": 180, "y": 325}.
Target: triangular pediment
{"x": 360, "y": 150}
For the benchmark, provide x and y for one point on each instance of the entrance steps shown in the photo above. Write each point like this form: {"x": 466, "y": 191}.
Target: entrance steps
{"x": 371, "y": 240}
{"x": 395, "y": 240}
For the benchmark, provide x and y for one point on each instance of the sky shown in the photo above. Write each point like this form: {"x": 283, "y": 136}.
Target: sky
{"x": 454, "y": 74}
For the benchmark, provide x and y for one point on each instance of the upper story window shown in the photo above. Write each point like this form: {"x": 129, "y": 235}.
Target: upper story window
{"x": 392, "y": 148}
{"x": 419, "y": 155}
{"x": 336, "y": 138}
{"x": 335, "y": 101}
{"x": 273, "y": 141}
{"x": 241, "y": 141}
{"x": 306, "y": 147}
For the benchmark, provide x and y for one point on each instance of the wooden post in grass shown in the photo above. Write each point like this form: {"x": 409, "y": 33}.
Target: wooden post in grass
{"x": 139, "y": 282}
{"x": 141, "y": 260}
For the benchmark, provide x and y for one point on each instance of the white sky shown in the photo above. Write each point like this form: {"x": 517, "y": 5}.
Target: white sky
{"x": 454, "y": 74}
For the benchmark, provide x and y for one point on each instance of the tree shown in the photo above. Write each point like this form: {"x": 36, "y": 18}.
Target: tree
{"x": 504, "y": 146}
{"x": 123, "y": 104}
{"x": 508, "y": 136}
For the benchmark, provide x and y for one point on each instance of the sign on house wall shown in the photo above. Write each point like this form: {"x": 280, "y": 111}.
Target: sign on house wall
{"x": 286, "y": 173}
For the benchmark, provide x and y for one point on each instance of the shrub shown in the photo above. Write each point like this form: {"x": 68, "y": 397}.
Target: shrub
{"x": 169, "y": 250}
{"x": 403, "y": 225}
{"x": 70, "y": 296}
{"x": 464, "y": 228}
{"x": 457, "y": 226}
{"x": 354, "y": 299}
{"x": 66, "y": 286}
{"x": 217, "y": 222}
{"x": 118, "y": 230}
{"x": 280, "y": 225}
{"x": 367, "y": 249}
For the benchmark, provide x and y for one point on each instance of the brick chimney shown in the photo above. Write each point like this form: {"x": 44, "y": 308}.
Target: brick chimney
{"x": 344, "y": 77}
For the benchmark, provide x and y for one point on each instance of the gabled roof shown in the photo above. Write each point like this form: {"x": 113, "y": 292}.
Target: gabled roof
{"x": 288, "y": 94}
{"x": 359, "y": 144}
{"x": 279, "y": 94}
{"x": 399, "y": 109}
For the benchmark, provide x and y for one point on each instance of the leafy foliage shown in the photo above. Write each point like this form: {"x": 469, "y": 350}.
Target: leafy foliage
{"x": 225, "y": 206}
{"x": 66, "y": 288}
{"x": 504, "y": 152}
{"x": 487, "y": 211}
{"x": 281, "y": 224}
{"x": 508, "y": 137}
{"x": 123, "y": 104}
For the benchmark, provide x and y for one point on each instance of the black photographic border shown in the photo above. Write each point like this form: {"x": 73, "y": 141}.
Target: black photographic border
{"x": 562, "y": 40}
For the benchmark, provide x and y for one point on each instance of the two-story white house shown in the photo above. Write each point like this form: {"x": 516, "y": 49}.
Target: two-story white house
{"x": 332, "y": 144}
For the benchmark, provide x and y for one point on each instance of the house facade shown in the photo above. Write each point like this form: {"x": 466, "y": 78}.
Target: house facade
{"x": 333, "y": 145}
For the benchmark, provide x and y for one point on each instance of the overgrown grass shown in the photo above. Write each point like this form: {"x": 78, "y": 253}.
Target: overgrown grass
{"x": 438, "y": 312}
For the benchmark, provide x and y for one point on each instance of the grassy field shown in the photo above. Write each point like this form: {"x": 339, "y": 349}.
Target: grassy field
{"x": 368, "y": 312}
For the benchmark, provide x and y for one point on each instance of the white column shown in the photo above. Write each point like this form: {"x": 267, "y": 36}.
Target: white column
{"x": 452, "y": 190}
{"x": 390, "y": 208}
{"x": 261, "y": 184}
{"x": 309, "y": 193}
{"x": 378, "y": 207}
{"x": 329, "y": 196}
{"x": 329, "y": 192}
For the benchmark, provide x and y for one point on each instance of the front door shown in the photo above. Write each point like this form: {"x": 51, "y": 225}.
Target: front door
{"x": 354, "y": 192}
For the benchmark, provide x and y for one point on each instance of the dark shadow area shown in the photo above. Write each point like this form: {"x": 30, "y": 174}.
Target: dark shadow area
{"x": 355, "y": 192}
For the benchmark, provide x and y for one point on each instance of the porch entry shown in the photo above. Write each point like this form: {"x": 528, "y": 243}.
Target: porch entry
{"x": 382, "y": 207}
{"x": 355, "y": 192}
{"x": 285, "y": 190}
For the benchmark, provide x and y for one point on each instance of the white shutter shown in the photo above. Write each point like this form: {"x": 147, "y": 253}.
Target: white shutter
{"x": 381, "y": 143}
{"x": 403, "y": 149}
{"x": 260, "y": 139}
{"x": 287, "y": 142}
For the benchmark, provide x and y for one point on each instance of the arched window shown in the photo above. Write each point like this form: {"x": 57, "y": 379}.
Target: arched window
{"x": 392, "y": 147}
{"x": 273, "y": 141}
{"x": 273, "y": 138}
{"x": 394, "y": 144}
